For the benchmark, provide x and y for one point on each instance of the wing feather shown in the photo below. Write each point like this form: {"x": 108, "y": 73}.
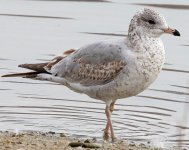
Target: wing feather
{"x": 93, "y": 64}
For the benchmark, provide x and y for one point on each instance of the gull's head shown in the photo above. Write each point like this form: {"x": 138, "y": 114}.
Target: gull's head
{"x": 150, "y": 23}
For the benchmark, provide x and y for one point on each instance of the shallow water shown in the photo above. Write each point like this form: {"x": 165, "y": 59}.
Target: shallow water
{"x": 34, "y": 31}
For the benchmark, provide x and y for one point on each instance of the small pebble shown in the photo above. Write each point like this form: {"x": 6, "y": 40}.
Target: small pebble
{"x": 75, "y": 144}
{"x": 87, "y": 141}
{"x": 50, "y": 132}
{"x": 62, "y": 135}
{"x": 94, "y": 140}
{"x": 142, "y": 145}
{"x": 132, "y": 144}
{"x": 43, "y": 134}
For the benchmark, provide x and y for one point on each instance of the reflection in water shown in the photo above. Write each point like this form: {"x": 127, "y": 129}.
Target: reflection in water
{"x": 170, "y": 91}
{"x": 184, "y": 45}
{"x": 77, "y": 0}
{"x": 175, "y": 70}
{"x": 4, "y": 89}
{"x": 34, "y": 16}
{"x": 109, "y": 34}
{"x": 163, "y": 99}
{"x": 170, "y": 6}
{"x": 180, "y": 86}
{"x": 155, "y": 115}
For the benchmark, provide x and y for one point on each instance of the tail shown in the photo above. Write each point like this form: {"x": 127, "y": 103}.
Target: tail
{"x": 40, "y": 67}
{"x": 37, "y": 69}
{"x": 24, "y": 75}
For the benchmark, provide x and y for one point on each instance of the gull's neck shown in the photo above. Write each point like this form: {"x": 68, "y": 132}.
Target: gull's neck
{"x": 136, "y": 37}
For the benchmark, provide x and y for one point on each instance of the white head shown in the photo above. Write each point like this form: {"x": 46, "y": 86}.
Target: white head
{"x": 150, "y": 23}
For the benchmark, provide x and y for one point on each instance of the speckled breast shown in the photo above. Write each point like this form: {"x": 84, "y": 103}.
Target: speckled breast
{"x": 142, "y": 71}
{"x": 137, "y": 75}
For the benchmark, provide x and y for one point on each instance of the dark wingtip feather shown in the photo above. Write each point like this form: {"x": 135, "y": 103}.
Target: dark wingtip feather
{"x": 26, "y": 74}
{"x": 36, "y": 67}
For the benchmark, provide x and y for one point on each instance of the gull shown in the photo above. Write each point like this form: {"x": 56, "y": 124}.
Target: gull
{"x": 110, "y": 70}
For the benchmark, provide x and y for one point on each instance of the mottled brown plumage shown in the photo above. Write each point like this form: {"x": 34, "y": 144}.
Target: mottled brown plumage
{"x": 102, "y": 73}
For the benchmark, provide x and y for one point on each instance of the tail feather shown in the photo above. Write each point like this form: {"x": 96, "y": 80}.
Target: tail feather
{"x": 39, "y": 67}
{"x": 36, "y": 67}
{"x": 25, "y": 75}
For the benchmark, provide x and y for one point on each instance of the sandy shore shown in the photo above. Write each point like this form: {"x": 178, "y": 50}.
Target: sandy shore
{"x": 58, "y": 141}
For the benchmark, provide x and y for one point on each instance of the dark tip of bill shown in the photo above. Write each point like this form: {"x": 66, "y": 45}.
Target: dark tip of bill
{"x": 176, "y": 33}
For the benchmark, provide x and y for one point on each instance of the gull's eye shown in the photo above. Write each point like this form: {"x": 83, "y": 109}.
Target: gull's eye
{"x": 151, "y": 22}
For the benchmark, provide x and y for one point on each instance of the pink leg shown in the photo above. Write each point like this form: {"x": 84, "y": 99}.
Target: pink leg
{"x": 106, "y": 130}
{"x": 108, "y": 111}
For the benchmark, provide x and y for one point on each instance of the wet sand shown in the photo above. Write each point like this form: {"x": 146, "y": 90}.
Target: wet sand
{"x": 58, "y": 141}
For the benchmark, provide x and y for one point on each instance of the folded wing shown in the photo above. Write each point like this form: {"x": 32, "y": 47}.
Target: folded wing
{"x": 93, "y": 64}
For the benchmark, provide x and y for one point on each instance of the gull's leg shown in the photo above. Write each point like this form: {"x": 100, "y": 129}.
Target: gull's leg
{"x": 106, "y": 130}
{"x": 112, "y": 107}
{"x": 109, "y": 109}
